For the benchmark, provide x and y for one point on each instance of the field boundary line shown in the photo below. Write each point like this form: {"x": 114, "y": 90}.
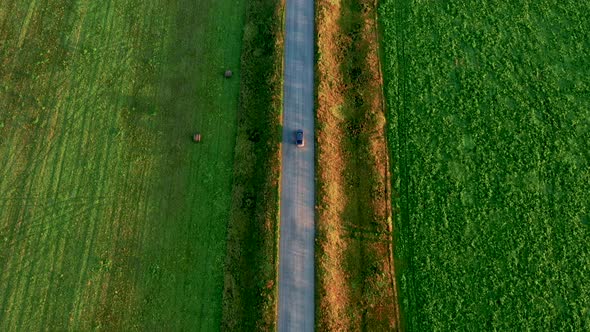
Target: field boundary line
{"x": 400, "y": 8}
{"x": 387, "y": 175}
{"x": 280, "y": 44}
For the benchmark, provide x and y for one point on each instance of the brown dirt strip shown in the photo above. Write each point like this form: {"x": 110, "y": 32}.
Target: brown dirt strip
{"x": 356, "y": 288}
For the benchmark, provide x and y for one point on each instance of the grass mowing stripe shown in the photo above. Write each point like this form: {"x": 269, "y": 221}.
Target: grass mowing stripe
{"x": 57, "y": 263}
{"x": 8, "y": 7}
{"x": 31, "y": 266}
{"x": 118, "y": 229}
{"x": 85, "y": 141}
{"x": 86, "y": 298}
{"x": 25, "y": 26}
{"x": 19, "y": 217}
{"x": 215, "y": 126}
{"x": 149, "y": 210}
{"x": 15, "y": 229}
{"x": 88, "y": 248}
{"x": 35, "y": 269}
{"x": 53, "y": 260}
{"x": 105, "y": 309}
{"x": 42, "y": 135}
{"x": 93, "y": 216}
{"x": 90, "y": 69}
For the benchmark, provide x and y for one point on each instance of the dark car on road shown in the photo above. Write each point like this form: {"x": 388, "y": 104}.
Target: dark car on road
{"x": 299, "y": 141}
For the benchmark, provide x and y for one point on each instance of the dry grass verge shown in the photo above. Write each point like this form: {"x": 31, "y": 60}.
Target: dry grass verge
{"x": 250, "y": 292}
{"x": 355, "y": 275}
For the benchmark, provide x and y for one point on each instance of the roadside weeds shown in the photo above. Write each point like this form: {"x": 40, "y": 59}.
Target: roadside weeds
{"x": 251, "y": 266}
{"x": 356, "y": 279}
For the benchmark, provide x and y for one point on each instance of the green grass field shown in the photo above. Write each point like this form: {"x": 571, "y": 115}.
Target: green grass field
{"x": 490, "y": 137}
{"x": 110, "y": 217}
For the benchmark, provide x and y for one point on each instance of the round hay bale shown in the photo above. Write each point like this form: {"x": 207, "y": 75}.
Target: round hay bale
{"x": 228, "y": 74}
{"x": 197, "y": 137}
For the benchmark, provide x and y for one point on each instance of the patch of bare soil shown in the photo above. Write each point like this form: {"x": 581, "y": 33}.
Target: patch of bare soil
{"x": 332, "y": 297}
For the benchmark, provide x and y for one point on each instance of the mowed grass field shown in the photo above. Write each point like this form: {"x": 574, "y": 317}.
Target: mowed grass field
{"x": 110, "y": 217}
{"x": 489, "y": 129}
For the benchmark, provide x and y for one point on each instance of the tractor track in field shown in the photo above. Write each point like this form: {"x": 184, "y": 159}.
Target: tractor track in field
{"x": 88, "y": 183}
{"x": 404, "y": 155}
{"x": 402, "y": 8}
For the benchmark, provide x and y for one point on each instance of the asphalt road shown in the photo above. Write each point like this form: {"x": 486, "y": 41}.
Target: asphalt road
{"x": 296, "y": 250}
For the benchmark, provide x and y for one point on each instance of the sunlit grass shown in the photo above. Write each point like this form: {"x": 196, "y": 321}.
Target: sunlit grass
{"x": 490, "y": 132}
